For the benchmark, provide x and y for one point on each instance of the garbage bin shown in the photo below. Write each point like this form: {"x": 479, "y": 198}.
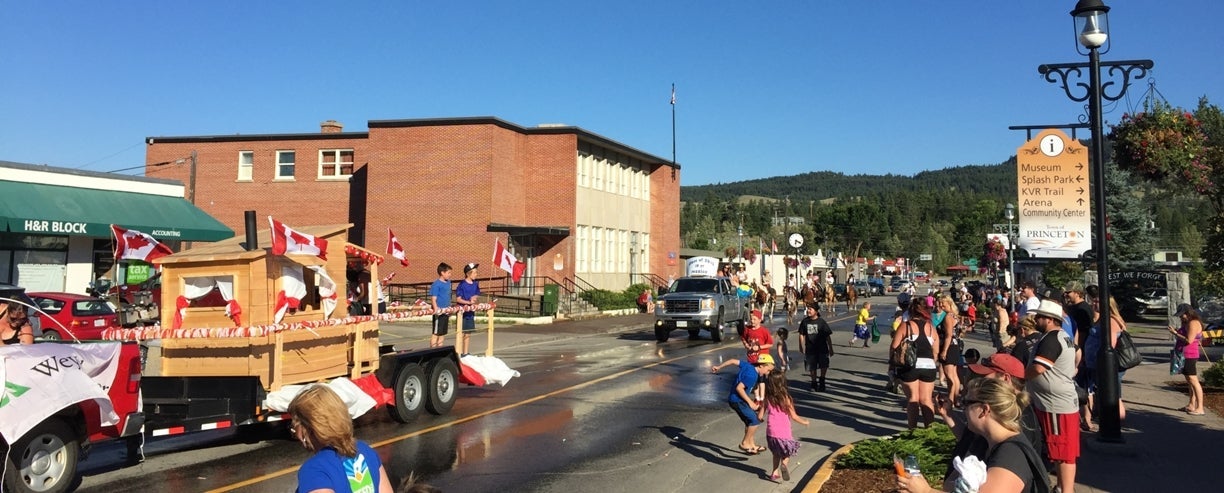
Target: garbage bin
{"x": 552, "y": 295}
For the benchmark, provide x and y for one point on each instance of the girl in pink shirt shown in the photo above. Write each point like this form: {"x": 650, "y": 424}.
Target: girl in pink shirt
{"x": 778, "y": 411}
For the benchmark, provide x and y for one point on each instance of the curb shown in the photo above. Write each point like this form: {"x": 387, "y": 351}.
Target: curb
{"x": 826, "y": 470}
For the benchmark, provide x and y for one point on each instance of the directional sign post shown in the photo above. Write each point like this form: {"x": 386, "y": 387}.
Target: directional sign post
{"x": 1052, "y": 175}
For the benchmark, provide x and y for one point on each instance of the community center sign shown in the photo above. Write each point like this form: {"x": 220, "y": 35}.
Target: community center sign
{"x": 1052, "y": 175}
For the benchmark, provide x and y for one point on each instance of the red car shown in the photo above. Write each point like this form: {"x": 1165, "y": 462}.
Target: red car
{"x": 83, "y": 316}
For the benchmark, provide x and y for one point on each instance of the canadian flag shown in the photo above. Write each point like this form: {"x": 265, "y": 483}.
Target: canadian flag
{"x": 286, "y": 240}
{"x": 134, "y": 245}
{"x": 394, "y": 248}
{"x": 504, "y": 259}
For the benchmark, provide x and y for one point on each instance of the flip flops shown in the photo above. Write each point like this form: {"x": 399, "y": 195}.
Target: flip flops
{"x": 1200, "y": 413}
{"x": 752, "y": 451}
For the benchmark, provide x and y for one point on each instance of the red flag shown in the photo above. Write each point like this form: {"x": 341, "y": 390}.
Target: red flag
{"x": 134, "y": 245}
{"x": 394, "y": 248}
{"x": 286, "y": 240}
{"x": 504, "y": 259}
{"x": 773, "y": 246}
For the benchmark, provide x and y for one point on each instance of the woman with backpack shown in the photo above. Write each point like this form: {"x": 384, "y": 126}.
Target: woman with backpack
{"x": 918, "y": 335}
{"x": 1086, "y": 378}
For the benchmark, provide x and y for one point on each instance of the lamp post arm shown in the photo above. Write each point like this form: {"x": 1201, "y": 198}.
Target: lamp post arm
{"x": 1070, "y": 77}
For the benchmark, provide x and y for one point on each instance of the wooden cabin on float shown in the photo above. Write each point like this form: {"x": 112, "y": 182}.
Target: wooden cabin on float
{"x": 232, "y": 308}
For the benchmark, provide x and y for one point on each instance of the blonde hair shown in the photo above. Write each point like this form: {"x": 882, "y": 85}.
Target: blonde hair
{"x": 947, "y": 304}
{"x": 1005, "y": 400}
{"x": 324, "y": 417}
{"x": 1028, "y": 323}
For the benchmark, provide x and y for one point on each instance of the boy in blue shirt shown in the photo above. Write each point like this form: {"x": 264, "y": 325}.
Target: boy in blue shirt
{"x": 439, "y": 298}
{"x": 465, "y": 295}
{"x": 742, "y": 400}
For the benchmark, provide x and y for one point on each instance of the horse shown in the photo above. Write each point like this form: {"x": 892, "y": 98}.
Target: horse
{"x": 851, "y": 298}
{"x": 790, "y": 301}
{"x": 830, "y": 298}
{"x": 765, "y": 301}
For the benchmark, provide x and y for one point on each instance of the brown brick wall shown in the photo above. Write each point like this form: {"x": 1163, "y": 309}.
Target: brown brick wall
{"x": 305, "y": 201}
{"x": 665, "y": 221}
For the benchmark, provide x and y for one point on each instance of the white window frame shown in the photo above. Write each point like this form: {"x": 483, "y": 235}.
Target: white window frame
{"x": 581, "y": 249}
{"x": 624, "y": 181}
{"x": 644, "y": 258}
{"x": 596, "y": 249}
{"x": 337, "y": 165}
{"x": 293, "y": 164}
{"x": 246, "y": 170}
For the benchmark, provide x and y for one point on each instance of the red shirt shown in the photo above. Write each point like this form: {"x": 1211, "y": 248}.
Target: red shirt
{"x": 761, "y": 337}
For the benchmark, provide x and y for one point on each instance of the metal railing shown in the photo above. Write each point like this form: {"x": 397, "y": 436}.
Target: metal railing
{"x": 654, "y": 280}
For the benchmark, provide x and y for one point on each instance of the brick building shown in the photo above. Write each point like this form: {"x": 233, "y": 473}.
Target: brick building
{"x": 568, "y": 202}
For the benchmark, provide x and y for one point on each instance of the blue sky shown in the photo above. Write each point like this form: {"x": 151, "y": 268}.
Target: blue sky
{"x": 770, "y": 88}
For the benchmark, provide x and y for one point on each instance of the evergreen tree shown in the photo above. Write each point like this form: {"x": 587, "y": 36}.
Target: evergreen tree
{"x": 1133, "y": 241}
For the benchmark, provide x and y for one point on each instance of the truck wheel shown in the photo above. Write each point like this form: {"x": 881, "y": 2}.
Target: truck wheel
{"x": 716, "y": 331}
{"x": 409, "y": 388}
{"x": 740, "y": 327}
{"x": 44, "y": 460}
{"x": 443, "y": 383}
{"x": 661, "y": 333}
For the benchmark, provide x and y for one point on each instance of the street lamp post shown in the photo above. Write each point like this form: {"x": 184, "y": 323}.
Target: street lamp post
{"x": 1092, "y": 33}
{"x": 1010, "y": 213}
{"x": 741, "y": 243}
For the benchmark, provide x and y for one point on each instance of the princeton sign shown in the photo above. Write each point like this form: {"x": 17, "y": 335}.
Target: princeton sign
{"x": 1052, "y": 181}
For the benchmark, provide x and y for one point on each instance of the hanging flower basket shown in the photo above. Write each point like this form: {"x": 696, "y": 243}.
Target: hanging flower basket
{"x": 750, "y": 255}
{"x": 791, "y": 263}
{"x": 1162, "y": 143}
{"x": 994, "y": 251}
{"x": 731, "y": 252}
{"x": 807, "y": 261}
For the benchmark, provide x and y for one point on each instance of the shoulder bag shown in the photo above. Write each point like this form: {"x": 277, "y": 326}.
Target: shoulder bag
{"x": 1128, "y": 354}
{"x": 905, "y": 355}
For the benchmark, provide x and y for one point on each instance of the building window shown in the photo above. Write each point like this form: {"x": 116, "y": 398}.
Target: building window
{"x": 581, "y": 249}
{"x": 285, "y": 164}
{"x": 624, "y": 181}
{"x": 584, "y": 159}
{"x": 246, "y": 165}
{"x": 644, "y": 247}
{"x": 335, "y": 163}
{"x": 596, "y": 249}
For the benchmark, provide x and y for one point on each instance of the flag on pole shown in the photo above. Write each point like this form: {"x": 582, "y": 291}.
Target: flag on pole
{"x": 134, "y": 245}
{"x": 504, "y": 259}
{"x": 773, "y": 246}
{"x": 286, "y": 240}
{"x": 394, "y": 248}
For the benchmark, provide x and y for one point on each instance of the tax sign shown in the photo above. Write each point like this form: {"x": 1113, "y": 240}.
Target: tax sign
{"x": 1052, "y": 174}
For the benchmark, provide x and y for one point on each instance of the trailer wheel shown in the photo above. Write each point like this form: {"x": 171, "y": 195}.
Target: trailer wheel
{"x": 409, "y": 388}
{"x": 44, "y": 460}
{"x": 443, "y": 382}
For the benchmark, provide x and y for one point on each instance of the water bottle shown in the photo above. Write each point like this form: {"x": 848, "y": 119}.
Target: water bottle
{"x": 911, "y": 466}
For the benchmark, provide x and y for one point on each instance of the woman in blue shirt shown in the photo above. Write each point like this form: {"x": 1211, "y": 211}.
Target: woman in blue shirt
{"x": 340, "y": 463}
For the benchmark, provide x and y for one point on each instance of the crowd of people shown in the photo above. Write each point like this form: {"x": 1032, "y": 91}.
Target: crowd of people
{"x": 1024, "y": 407}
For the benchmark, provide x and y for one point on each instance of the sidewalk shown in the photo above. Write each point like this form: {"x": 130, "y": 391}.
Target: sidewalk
{"x": 1160, "y": 451}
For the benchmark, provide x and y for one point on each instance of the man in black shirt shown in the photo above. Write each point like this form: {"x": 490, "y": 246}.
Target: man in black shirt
{"x": 1079, "y": 310}
{"x": 816, "y": 344}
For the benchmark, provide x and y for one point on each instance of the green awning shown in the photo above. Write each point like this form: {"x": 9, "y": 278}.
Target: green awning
{"x": 51, "y": 209}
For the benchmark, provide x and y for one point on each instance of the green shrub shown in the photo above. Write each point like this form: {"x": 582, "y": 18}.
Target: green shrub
{"x": 931, "y": 446}
{"x": 1214, "y": 376}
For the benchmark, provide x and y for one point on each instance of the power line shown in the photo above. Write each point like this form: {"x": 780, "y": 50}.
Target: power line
{"x": 128, "y": 148}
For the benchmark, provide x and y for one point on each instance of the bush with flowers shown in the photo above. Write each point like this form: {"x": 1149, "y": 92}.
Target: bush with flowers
{"x": 1162, "y": 142}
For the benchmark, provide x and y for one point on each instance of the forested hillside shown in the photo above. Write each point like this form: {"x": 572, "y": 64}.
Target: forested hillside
{"x": 946, "y": 213}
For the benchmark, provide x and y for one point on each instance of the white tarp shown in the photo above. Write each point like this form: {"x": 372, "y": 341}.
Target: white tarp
{"x": 42, "y": 379}
{"x": 357, "y": 402}
{"x": 493, "y": 369}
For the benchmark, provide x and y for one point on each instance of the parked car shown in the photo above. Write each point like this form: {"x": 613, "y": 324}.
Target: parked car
{"x": 67, "y": 314}
{"x": 1155, "y": 300}
{"x": 17, "y": 294}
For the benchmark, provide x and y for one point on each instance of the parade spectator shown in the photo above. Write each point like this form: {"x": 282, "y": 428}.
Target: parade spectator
{"x": 992, "y": 410}
{"x": 756, "y": 339}
{"x": 919, "y": 381}
{"x": 1080, "y": 311}
{"x": 321, "y": 422}
{"x": 643, "y": 301}
{"x": 466, "y": 294}
{"x": 783, "y": 349}
{"x": 1028, "y": 298}
{"x": 1086, "y": 377}
{"x": 384, "y": 294}
{"x": 17, "y": 328}
{"x": 743, "y": 402}
{"x": 1050, "y": 382}
{"x": 816, "y": 344}
{"x": 971, "y": 317}
{"x": 1002, "y": 319}
{"x": 860, "y": 324}
{"x": 1026, "y": 339}
{"x": 439, "y": 298}
{"x": 778, "y": 412}
{"x": 1189, "y": 339}
{"x": 950, "y": 348}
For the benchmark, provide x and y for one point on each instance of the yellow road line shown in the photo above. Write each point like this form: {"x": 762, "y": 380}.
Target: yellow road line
{"x": 289, "y": 470}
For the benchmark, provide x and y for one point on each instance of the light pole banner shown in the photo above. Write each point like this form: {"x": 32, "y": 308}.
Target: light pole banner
{"x": 1052, "y": 175}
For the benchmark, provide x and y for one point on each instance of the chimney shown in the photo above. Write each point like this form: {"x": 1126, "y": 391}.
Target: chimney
{"x": 252, "y": 240}
{"x": 331, "y": 127}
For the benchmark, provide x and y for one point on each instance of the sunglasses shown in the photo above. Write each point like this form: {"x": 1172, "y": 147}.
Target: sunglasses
{"x": 965, "y": 403}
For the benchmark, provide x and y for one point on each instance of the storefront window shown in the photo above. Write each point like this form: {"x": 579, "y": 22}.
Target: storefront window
{"x": 34, "y": 262}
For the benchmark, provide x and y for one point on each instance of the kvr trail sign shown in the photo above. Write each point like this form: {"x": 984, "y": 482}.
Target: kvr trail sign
{"x": 1052, "y": 174}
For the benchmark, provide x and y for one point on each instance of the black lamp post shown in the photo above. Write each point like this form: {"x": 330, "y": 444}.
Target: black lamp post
{"x": 1092, "y": 33}
{"x": 1010, "y": 213}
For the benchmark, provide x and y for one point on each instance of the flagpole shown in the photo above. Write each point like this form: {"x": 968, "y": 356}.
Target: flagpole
{"x": 673, "y": 105}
